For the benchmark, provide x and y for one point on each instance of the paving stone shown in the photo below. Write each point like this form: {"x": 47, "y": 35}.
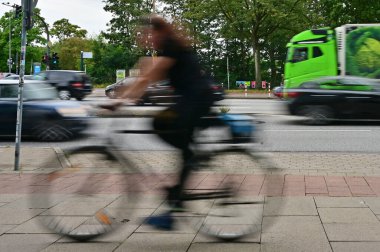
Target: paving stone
{"x": 9, "y": 197}
{"x": 156, "y": 242}
{"x": 373, "y": 203}
{"x": 38, "y": 201}
{"x": 252, "y": 238}
{"x": 26, "y": 242}
{"x": 144, "y": 201}
{"x": 180, "y": 227}
{"x": 75, "y": 247}
{"x": 5, "y": 228}
{"x": 352, "y": 231}
{"x": 17, "y": 216}
{"x": 276, "y": 206}
{"x": 339, "y": 202}
{"x": 355, "y": 246}
{"x": 294, "y": 233}
{"x": 32, "y": 226}
{"x": 224, "y": 247}
{"x": 347, "y": 215}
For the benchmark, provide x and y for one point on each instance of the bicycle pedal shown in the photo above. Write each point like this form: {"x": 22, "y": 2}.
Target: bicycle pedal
{"x": 103, "y": 218}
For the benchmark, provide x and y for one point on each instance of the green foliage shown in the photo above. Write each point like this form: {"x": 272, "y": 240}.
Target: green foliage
{"x": 252, "y": 34}
{"x": 35, "y": 38}
{"x": 107, "y": 59}
{"x": 63, "y": 29}
{"x": 124, "y": 21}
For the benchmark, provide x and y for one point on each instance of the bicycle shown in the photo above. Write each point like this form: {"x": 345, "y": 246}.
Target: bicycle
{"x": 85, "y": 202}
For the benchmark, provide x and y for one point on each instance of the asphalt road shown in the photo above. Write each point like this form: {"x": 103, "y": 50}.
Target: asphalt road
{"x": 279, "y": 131}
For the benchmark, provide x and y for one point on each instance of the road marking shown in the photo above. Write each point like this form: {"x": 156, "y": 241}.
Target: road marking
{"x": 321, "y": 130}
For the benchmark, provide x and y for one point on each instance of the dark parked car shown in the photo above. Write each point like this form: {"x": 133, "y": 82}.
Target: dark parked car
{"x": 69, "y": 83}
{"x": 44, "y": 116}
{"x": 336, "y": 98}
{"x": 160, "y": 92}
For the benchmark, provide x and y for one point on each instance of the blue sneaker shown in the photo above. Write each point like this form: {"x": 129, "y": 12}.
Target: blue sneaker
{"x": 163, "y": 221}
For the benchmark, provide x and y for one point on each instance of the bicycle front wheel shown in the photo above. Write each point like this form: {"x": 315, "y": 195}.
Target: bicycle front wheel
{"x": 226, "y": 195}
{"x": 90, "y": 194}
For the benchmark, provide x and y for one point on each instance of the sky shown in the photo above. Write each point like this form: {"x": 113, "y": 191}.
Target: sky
{"x": 87, "y": 14}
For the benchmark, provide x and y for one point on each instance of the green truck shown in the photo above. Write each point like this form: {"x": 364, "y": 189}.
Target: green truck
{"x": 351, "y": 49}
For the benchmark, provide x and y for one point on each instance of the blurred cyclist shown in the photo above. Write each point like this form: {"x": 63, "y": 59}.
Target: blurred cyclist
{"x": 177, "y": 63}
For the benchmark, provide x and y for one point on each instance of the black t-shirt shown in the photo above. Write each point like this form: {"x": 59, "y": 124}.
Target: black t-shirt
{"x": 185, "y": 75}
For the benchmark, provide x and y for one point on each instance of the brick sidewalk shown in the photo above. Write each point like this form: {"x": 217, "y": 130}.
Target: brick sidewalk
{"x": 267, "y": 185}
{"x": 332, "y": 204}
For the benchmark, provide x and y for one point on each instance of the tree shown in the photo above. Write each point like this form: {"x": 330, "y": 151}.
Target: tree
{"x": 240, "y": 29}
{"x": 63, "y": 29}
{"x": 335, "y": 13}
{"x": 126, "y": 14}
{"x": 69, "y": 51}
{"x": 34, "y": 41}
{"x": 107, "y": 58}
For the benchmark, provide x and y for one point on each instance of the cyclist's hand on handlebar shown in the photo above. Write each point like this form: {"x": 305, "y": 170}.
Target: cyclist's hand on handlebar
{"x": 111, "y": 106}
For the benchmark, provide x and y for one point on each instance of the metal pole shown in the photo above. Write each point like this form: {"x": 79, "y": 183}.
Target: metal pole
{"x": 154, "y": 6}
{"x": 81, "y": 60}
{"x": 20, "y": 90}
{"x": 10, "y": 45}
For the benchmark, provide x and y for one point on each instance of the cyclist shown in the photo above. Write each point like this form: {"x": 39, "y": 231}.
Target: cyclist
{"x": 177, "y": 63}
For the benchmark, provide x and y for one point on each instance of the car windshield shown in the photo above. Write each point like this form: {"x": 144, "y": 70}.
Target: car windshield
{"x": 32, "y": 91}
{"x": 39, "y": 91}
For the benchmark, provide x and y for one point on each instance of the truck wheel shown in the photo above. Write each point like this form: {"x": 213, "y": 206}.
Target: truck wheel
{"x": 64, "y": 94}
{"x": 316, "y": 115}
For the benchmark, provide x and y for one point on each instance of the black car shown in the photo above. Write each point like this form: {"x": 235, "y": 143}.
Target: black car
{"x": 44, "y": 116}
{"x": 69, "y": 83}
{"x": 160, "y": 92}
{"x": 336, "y": 98}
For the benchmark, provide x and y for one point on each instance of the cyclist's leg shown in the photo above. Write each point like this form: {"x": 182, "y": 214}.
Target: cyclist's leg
{"x": 188, "y": 118}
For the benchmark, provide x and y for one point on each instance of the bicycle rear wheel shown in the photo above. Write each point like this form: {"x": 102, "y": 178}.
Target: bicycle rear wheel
{"x": 91, "y": 194}
{"x": 225, "y": 196}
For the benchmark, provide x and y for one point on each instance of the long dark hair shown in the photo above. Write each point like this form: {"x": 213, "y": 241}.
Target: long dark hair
{"x": 170, "y": 31}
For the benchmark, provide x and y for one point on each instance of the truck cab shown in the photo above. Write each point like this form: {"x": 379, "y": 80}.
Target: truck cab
{"x": 311, "y": 54}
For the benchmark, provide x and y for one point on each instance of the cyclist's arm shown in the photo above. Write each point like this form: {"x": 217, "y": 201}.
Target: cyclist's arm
{"x": 155, "y": 72}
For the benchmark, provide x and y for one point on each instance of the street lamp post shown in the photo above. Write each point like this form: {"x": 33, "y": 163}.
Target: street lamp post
{"x": 10, "y": 45}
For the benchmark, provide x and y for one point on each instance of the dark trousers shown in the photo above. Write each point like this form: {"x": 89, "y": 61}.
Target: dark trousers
{"x": 176, "y": 126}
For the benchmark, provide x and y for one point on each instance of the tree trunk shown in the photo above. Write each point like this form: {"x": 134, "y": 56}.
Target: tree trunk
{"x": 256, "y": 51}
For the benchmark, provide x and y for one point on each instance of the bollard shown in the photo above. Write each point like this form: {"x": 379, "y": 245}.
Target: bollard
{"x": 245, "y": 92}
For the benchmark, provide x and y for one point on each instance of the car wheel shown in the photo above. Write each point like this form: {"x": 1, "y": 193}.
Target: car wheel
{"x": 111, "y": 94}
{"x": 317, "y": 115}
{"x": 79, "y": 98}
{"x": 52, "y": 132}
{"x": 64, "y": 94}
